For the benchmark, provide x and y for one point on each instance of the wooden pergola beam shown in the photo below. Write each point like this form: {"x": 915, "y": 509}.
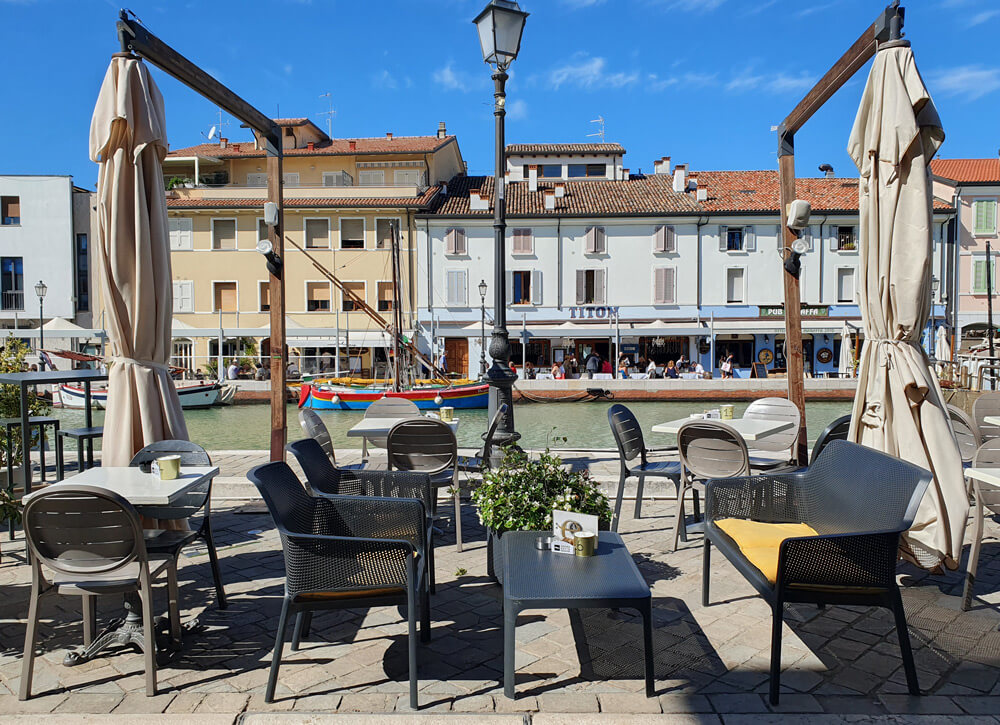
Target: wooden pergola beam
{"x": 887, "y": 26}
{"x": 137, "y": 39}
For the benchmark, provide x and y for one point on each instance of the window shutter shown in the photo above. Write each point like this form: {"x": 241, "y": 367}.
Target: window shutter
{"x": 180, "y": 233}
{"x": 857, "y": 239}
{"x": 599, "y": 286}
{"x": 449, "y": 241}
{"x": 851, "y": 294}
{"x": 581, "y": 286}
{"x": 522, "y": 241}
{"x": 183, "y": 296}
{"x": 834, "y": 238}
{"x": 536, "y": 287}
{"x": 510, "y": 286}
{"x": 660, "y": 239}
{"x": 749, "y": 239}
{"x": 670, "y": 285}
{"x": 529, "y": 242}
{"x": 291, "y": 179}
{"x": 463, "y": 289}
{"x": 659, "y": 286}
{"x": 600, "y": 240}
{"x": 460, "y": 245}
{"x": 457, "y": 288}
{"x": 590, "y": 244}
{"x": 669, "y": 238}
{"x": 723, "y": 230}
{"x": 979, "y": 276}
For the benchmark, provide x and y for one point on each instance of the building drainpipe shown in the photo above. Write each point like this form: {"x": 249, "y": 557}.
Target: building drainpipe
{"x": 955, "y": 297}
{"x": 700, "y": 224}
{"x": 822, "y": 257}
{"x": 559, "y": 264}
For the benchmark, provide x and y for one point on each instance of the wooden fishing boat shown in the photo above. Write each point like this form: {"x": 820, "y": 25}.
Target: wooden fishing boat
{"x": 429, "y": 398}
{"x": 202, "y": 395}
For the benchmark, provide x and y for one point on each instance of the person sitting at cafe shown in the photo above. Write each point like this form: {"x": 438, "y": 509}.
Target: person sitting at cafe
{"x": 623, "y": 366}
{"x": 683, "y": 364}
{"x": 671, "y": 371}
{"x": 606, "y": 367}
{"x": 557, "y": 371}
{"x": 651, "y": 369}
{"x": 570, "y": 366}
{"x": 699, "y": 369}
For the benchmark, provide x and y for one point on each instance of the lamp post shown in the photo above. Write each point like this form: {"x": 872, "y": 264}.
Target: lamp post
{"x": 500, "y": 26}
{"x": 482, "y": 330}
{"x": 40, "y": 290}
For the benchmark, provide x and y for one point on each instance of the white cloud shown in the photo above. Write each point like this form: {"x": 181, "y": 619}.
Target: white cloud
{"x": 691, "y": 6}
{"x": 813, "y": 9}
{"x": 577, "y": 4}
{"x": 386, "y": 80}
{"x": 748, "y": 80}
{"x": 589, "y": 74}
{"x": 451, "y": 80}
{"x": 656, "y": 83}
{"x": 983, "y": 17}
{"x": 517, "y": 111}
{"x": 972, "y": 81}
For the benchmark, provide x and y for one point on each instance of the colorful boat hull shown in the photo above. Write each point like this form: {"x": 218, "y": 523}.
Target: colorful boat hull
{"x": 458, "y": 397}
{"x": 191, "y": 396}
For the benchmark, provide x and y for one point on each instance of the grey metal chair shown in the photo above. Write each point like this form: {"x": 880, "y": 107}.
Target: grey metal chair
{"x": 345, "y": 552}
{"x": 171, "y": 541}
{"x": 708, "y": 449}
{"x": 481, "y": 461}
{"x": 987, "y": 404}
{"x": 90, "y": 540}
{"x": 428, "y": 445}
{"x": 314, "y": 427}
{"x": 987, "y": 497}
{"x": 387, "y": 407}
{"x": 850, "y": 556}
{"x": 838, "y": 430}
{"x": 778, "y": 449}
{"x": 966, "y": 432}
{"x": 628, "y": 437}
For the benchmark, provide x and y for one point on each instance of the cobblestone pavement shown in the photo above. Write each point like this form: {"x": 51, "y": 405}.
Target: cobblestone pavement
{"x": 710, "y": 662}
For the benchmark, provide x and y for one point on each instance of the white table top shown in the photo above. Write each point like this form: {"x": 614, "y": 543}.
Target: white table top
{"x": 992, "y": 419}
{"x": 138, "y": 488}
{"x": 750, "y": 429}
{"x": 986, "y": 475}
{"x": 380, "y": 427}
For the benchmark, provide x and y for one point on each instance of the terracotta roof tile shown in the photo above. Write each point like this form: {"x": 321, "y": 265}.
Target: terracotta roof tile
{"x": 968, "y": 171}
{"x": 336, "y": 147}
{"x": 565, "y": 148}
{"x": 409, "y": 202}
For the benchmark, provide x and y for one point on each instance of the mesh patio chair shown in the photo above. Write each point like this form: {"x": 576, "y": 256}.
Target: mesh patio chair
{"x": 171, "y": 541}
{"x": 987, "y": 497}
{"x": 778, "y": 449}
{"x": 986, "y": 404}
{"x": 966, "y": 433}
{"x": 323, "y": 479}
{"x": 838, "y": 430}
{"x": 708, "y": 449}
{"x": 90, "y": 542}
{"x": 819, "y": 536}
{"x": 345, "y": 552}
{"x": 314, "y": 427}
{"x": 387, "y": 408}
{"x": 481, "y": 461}
{"x": 628, "y": 437}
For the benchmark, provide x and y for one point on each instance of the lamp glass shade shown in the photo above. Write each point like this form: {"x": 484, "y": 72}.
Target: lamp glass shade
{"x": 482, "y": 289}
{"x": 40, "y": 289}
{"x": 500, "y": 26}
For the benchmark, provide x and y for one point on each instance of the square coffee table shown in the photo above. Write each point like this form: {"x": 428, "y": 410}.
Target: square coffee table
{"x": 534, "y": 579}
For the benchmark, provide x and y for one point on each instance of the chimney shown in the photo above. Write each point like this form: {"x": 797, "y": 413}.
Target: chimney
{"x": 223, "y": 143}
{"x": 442, "y": 130}
{"x": 352, "y": 145}
{"x": 388, "y": 135}
{"x": 625, "y": 174}
{"x": 702, "y": 194}
{"x": 560, "y": 189}
{"x": 477, "y": 201}
{"x": 311, "y": 146}
{"x": 533, "y": 177}
{"x": 236, "y": 147}
{"x": 827, "y": 170}
{"x": 662, "y": 166}
{"x": 550, "y": 199}
{"x": 680, "y": 177}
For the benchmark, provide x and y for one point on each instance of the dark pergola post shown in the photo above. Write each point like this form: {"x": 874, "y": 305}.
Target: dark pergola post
{"x": 136, "y": 39}
{"x": 888, "y": 26}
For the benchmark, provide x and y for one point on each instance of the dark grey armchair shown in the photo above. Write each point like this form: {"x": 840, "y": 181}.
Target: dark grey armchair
{"x": 827, "y": 535}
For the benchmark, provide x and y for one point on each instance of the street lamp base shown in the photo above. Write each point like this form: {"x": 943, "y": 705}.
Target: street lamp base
{"x": 501, "y": 382}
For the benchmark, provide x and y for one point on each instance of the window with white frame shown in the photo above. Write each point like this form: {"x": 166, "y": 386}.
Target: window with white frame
{"x": 291, "y": 178}
{"x": 595, "y": 240}
{"x": 846, "y": 239}
{"x": 385, "y": 297}
{"x": 384, "y": 233}
{"x": 548, "y": 171}
{"x": 664, "y": 286}
{"x": 846, "y": 287}
{"x": 183, "y": 296}
{"x": 223, "y": 234}
{"x": 371, "y": 177}
{"x": 736, "y": 285}
{"x": 351, "y": 290}
{"x": 317, "y": 296}
{"x": 523, "y": 241}
{"x": 590, "y": 286}
{"x": 524, "y": 287}
{"x": 182, "y": 353}
{"x": 181, "y": 233}
{"x": 457, "y": 287}
{"x": 980, "y": 285}
{"x": 737, "y": 239}
{"x": 665, "y": 238}
{"x": 224, "y": 297}
{"x": 264, "y": 296}
{"x": 455, "y": 241}
{"x": 984, "y": 216}
{"x": 352, "y": 233}
{"x": 408, "y": 177}
{"x": 317, "y": 233}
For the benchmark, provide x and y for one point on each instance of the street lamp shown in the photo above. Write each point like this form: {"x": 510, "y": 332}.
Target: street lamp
{"x": 40, "y": 290}
{"x": 482, "y": 330}
{"x": 500, "y": 26}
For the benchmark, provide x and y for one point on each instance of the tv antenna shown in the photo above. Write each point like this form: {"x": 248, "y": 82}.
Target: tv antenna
{"x": 329, "y": 114}
{"x": 216, "y": 129}
{"x": 600, "y": 129}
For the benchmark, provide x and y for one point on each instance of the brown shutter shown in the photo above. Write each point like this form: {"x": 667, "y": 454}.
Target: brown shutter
{"x": 669, "y": 239}
{"x": 599, "y": 283}
{"x": 659, "y": 286}
{"x": 581, "y": 286}
{"x": 460, "y": 246}
{"x": 669, "y": 285}
{"x": 449, "y": 241}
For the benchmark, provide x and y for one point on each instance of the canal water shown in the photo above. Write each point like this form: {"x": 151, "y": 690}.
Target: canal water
{"x": 582, "y": 425}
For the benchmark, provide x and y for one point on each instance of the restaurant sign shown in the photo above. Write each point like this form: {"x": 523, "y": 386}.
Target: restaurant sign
{"x": 807, "y": 311}
{"x": 590, "y": 312}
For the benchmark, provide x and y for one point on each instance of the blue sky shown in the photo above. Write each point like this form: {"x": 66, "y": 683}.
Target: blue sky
{"x": 702, "y": 81}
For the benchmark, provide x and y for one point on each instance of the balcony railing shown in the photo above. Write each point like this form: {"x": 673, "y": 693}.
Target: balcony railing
{"x": 12, "y": 300}
{"x": 232, "y": 191}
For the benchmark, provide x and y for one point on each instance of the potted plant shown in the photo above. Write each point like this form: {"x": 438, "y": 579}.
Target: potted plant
{"x": 521, "y": 494}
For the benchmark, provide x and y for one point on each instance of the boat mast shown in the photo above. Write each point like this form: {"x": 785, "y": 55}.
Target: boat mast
{"x": 397, "y": 314}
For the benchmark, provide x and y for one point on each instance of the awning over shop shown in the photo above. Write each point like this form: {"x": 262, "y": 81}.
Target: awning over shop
{"x": 822, "y": 326}
{"x": 583, "y": 331}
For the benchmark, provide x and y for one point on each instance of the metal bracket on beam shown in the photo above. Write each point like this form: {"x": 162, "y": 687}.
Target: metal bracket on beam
{"x": 786, "y": 142}
{"x": 889, "y": 25}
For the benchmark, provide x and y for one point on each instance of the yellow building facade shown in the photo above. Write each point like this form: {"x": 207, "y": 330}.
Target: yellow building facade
{"x": 343, "y": 200}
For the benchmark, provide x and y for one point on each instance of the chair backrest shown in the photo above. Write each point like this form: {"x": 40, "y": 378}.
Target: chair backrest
{"x": 83, "y": 530}
{"x": 836, "y": 431}
{"x": 320, "y": 472}
{"x": 314, "y": 427}
{"x": 627, "y": 432}
{"x": 986, "y": 404}
{"x": 191, "y": 453}
{"x": 711, "y": 449}
{"x": 988, "y": 456}
{"x": 392, "y": 408}
{"x": 491, "y": 432}
{"x": 780, "y": 410}
{"x": 853, "y": 488}
{"x": 423, "y": 444}
{"x": 287, "y": 501}
{"x": 966, "y": 432}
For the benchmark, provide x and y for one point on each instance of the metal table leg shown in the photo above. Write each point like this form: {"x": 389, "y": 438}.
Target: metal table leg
{"x": 89, "y": 423}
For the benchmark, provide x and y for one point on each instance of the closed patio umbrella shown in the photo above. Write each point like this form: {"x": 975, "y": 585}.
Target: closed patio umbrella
{"x": 942, "y": 350}
{"x": 128, "y": 140}
{"x": 846, "y": 356}
{"x": 898, "y": 407}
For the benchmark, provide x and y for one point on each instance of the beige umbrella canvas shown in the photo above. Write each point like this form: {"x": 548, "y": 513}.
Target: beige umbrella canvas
{"x": 942, "y": 350}
{"x": 128, "y": 140}
{"x": 846, "y": 362}
{"x": 898, "y": 407}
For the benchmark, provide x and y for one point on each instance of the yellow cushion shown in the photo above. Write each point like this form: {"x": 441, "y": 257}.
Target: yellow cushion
{"x": 759, "y": 542}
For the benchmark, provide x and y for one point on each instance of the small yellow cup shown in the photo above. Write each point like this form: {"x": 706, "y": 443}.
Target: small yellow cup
{"x": 170, "y": 467}
{"x": 584, "y": 543}
{"x": 447, "y": 414}
{"x": 726, "y": 411}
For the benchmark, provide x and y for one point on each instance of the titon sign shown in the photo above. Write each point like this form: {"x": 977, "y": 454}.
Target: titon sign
{"x": 591, "y": 312}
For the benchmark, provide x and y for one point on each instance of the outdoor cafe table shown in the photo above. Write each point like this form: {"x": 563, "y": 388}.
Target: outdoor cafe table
{"x": 139, "y": 489}
{"x": 992, "y": 419}
{"x": 380, "y": 427}
{"x": 750, "y": 428}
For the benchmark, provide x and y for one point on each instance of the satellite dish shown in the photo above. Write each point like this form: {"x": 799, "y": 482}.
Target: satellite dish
{"x": 211, "y": 133}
